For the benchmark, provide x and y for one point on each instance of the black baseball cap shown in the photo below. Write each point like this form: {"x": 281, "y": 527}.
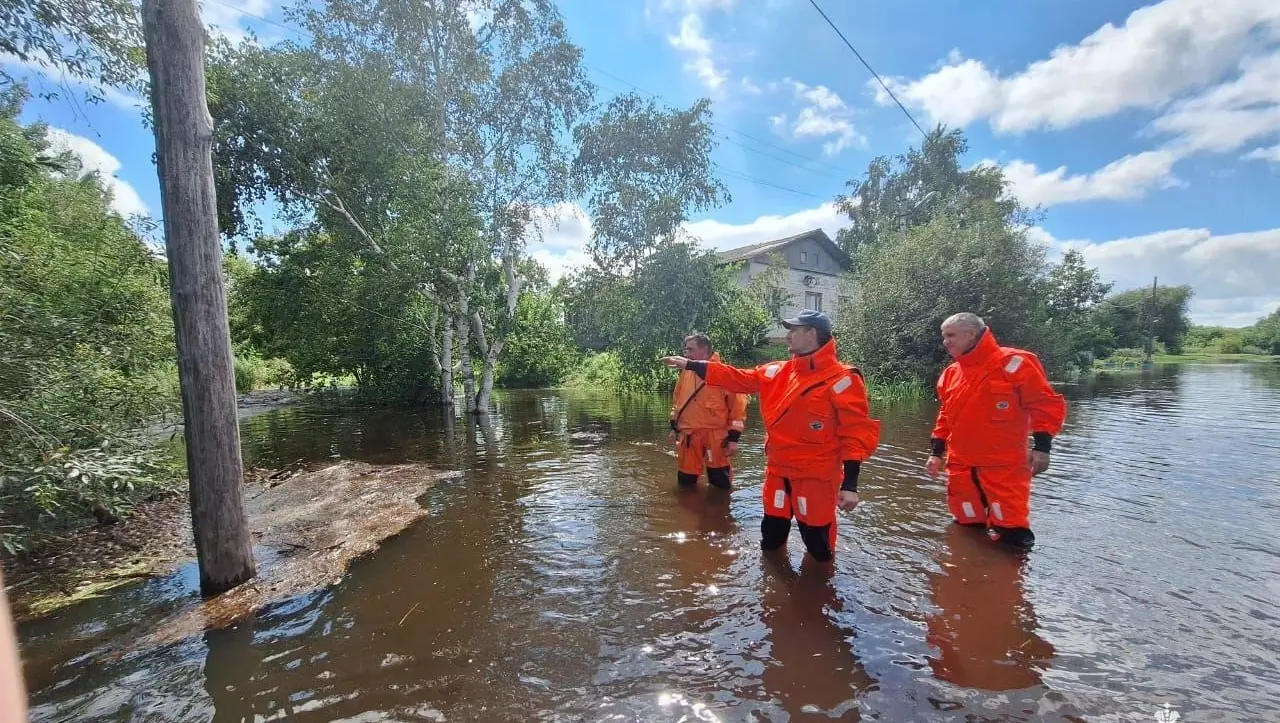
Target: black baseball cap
{"x": 809, "y": 317}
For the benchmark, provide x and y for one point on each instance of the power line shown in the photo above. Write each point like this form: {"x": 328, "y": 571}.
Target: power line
{"x": 743, "y": 177}
{"x": 814, "y": 3}
{"x": 255, "y": 16}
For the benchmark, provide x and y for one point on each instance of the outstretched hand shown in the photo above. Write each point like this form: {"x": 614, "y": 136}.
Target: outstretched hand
{"x": 678, "y": 362}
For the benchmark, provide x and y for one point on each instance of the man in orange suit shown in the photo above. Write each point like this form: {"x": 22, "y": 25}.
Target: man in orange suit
{"x": 992, "y": 399}
{"x": 818, "y": 432}
{"x": 706, "y": 422}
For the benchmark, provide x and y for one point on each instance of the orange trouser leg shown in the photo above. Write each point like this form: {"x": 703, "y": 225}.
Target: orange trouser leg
{"x": 965, "y": 497}
{"x": 811, "y": 502}
{"x": 1009, "y": 495}
{"x": 992, "y": 496}
{"x": 701, "y": 448}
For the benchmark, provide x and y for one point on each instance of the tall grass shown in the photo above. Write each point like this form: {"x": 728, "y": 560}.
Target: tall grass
{"x": 884, "y": 390}
{"x": 253, "y": 372}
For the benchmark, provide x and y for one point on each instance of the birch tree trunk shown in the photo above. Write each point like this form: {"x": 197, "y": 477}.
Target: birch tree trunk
{"x": 493, "y": 350}
{"x": 463, "y": 321}
{"x": 446, "y": 358}
{"x": 175, "y": 39}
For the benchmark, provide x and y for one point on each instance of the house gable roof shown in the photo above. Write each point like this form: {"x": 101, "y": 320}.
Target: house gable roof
{"x": 817, "y": 235}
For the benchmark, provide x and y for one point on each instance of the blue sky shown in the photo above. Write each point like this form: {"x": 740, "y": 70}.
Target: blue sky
{"x": 1150, "y": 133}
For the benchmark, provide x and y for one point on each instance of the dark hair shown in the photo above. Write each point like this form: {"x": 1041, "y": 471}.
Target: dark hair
{"x": 823, "y": 337}
{"x": 703, "y": 340}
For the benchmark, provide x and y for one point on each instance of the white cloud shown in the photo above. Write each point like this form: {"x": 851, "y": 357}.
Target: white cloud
{"x": 1230, "y": 115}
{"x": 1160, "y": 52}
{"x": 1264, "y": 154}
{"x": 720, "y": 236}
{"x": 93, "y": 157}
{"x": 559, "y": 239}
{"x": 566, "y": 231}
{"x": 694, "y": 44}
{"x": 231, "y": 17}
{"x": 1233, "y": 275}
{"x": 1039, "y": 235}
{"x": 751, "y": 87}
{"x": 824, "y": 115}
{"x": 1127, "y": 178}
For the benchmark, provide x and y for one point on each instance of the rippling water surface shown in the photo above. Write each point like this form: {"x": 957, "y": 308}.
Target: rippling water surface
{"x": 564, "y": 578}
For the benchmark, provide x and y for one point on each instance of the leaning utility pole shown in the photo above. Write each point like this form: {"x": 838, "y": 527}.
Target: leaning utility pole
{"x": 175, "y": 41}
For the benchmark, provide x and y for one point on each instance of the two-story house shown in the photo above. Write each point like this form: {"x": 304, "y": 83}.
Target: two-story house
{"x": 816, "y": 275}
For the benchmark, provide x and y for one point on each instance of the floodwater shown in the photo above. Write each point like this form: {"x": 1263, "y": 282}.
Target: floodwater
{"x": 564, "y": 578}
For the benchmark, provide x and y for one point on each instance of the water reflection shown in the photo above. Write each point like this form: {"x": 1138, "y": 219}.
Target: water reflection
{"x": 985, "y": 629}
{"x": 813, "y": 669}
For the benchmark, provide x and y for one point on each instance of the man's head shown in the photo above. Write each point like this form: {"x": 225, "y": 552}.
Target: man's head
{"x": 960, "y": 333}
{"x": 697, "y": 347}
{"x": 807, "y": 332}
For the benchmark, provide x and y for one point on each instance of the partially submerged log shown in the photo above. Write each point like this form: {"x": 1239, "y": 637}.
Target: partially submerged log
{"x": 312, "y": 526}
{"x": 307, "y": 528}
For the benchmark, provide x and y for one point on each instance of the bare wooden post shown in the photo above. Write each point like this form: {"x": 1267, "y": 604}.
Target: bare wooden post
{"x": 175, "y": 39}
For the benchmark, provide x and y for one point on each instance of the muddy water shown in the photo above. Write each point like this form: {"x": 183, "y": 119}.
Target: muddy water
{"x": 563, "y": 578}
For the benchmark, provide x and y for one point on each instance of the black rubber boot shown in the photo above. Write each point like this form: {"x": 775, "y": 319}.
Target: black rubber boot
{"x": 1019, "y": 538}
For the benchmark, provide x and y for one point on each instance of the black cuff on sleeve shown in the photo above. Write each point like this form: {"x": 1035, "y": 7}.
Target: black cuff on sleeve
{"x": 674, "y": 428}
{"x": 733, "y": 436}
{"x": 851, "y": 469}
{"x": 1043, "y": 441}
{"x": 697, "y": 367}
{"x": 937, "y": 446}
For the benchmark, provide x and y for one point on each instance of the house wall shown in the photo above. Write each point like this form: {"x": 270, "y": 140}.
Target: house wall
{"x": 824, "y": 282}
{"x": 808, "y": 255}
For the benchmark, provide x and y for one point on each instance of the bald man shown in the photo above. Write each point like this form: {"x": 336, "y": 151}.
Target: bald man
{"x": 992, "y": 398}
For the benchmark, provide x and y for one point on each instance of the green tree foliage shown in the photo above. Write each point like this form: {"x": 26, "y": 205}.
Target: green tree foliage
{"x": 86, "y": 338}
{"x": 356, "y": 129}
{"x": 1204, "y": 337}
{"x": 97, "y": 42}
{"x": 930, "y": 239}
{"x": 540, "y": 351}
{"x": 1073, "y": 291}
{"x": 908, "y": 283}
{"x": 893, "y": 196}
{"x": 677, "y": 290}
{"x": 644, "y": 170}
{"x": 1265, "y": 334}
{"x": 1131, "y": 316}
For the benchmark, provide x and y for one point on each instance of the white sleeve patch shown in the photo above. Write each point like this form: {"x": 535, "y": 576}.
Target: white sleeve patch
{"x": 1014, "y": 363}
{"x": 842, "y": 385}
{"x": 771, "y": 371}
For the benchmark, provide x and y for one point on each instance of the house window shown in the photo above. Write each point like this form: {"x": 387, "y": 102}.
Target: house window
{"x": 804, "y": 257}
{"x": 813, "y": 301}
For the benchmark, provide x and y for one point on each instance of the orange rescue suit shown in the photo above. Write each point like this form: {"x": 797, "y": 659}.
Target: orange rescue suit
{"x": 705, "y": 418}
{"x": 992, "y": 399}
{"x": 817, "y": 432}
